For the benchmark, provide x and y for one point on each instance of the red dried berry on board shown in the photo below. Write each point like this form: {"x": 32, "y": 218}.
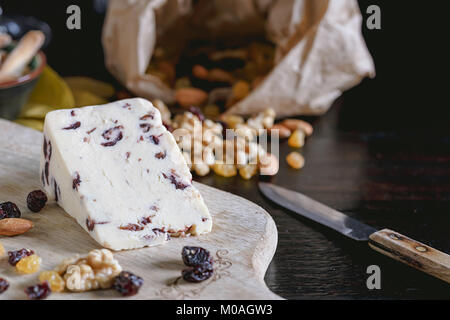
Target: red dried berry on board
{"x": 4, "y": 285}
{"x": 9, "y": 210}
{"x": 15, "y": 256}
{"x": 197, "y": 273}
{"x": 127, "y": 284}
{"x": 196, "y": 256}
{"x": 38, "y": 291}
{"x": 36, "y": 200}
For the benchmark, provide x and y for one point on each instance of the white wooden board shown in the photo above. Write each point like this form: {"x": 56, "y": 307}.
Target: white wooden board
{"x": 243, "y": 239}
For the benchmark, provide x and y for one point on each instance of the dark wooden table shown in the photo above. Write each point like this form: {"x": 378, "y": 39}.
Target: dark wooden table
{"x": 381, "y": 154}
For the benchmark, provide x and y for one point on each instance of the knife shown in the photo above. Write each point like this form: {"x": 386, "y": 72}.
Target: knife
{"x": 388, "y": 242}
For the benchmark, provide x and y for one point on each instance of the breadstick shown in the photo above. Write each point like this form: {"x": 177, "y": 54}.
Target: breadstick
{"x": 21, "y": 55}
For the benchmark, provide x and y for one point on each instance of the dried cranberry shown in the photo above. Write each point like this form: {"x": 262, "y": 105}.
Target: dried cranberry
{"x": 4, "y": 285}
{"x": 160, "y": 155}
{"x": 36, "y": 200}
{"x": 113, "y": 136}
{"x": 150, "y": 115}
{"x": 155, "y": 139}
{"x": 9, "y": 210}
{"x": 90, "y": 131}
{"x": 76, "y": 181}
{"x": 197, "y": 112}
{"x": 90, "y": 224}
{"x": 132, "y": 227}
{"x": 197, "y": 274}
{"x": 16, "y": 256}
{"x": 38, "y": 291}
{"x": 174, "y": 180}
{"x": 73, "y": 126}
{"x": 196, "y": 256}
{"x": 145, "y": 127}
{"x": 127, "y": 284}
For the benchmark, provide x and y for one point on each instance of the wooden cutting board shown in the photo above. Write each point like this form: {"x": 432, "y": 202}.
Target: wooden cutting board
{"x": 243, "y": 239}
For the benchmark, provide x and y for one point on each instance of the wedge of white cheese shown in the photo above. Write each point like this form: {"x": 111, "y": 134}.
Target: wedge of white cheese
{"x": 118, "y": 171}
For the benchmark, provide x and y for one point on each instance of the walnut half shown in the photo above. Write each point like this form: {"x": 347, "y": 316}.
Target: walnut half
{"x": 95, "y": 271}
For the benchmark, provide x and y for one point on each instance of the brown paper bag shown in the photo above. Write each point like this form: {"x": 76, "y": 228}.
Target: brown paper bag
{"x": 320, "y": 51}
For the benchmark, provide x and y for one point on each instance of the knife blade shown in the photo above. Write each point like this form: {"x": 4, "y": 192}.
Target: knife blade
{"x": 387, "y": 242}
{"x": 317, "y": 211}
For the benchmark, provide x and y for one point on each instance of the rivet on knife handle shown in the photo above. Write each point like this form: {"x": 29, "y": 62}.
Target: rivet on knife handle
{"x": 412, "y": 253}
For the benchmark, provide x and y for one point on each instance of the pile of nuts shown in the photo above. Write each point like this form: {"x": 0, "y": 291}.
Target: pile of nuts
{"x": 234, "y": 145}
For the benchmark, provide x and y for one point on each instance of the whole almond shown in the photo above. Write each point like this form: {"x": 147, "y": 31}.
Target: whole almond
{"x": 296, "y": 124}
{"x": 219, "y": 75}
{"x": 14, "y": 226}
{"x": 200, "y": 72}
{"x": 283, "y": 132}
{"x": 187, "y": 97}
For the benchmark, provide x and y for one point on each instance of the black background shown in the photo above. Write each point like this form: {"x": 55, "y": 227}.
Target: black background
{"x": 394, "y": 128}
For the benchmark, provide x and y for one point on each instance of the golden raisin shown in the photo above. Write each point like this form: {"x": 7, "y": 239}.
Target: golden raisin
{"x": 241, "y": 89}
{"x": 232, "y": 120}
{"x": 53, "y": 278}
{"x": 211, "y": 111}
{"x": 248, "y": 171}
{"x": 2, "y": 250}
{"x": 295, "y": 160}
{"x": 30, "y": 264}
{"x": 225, "y": 170}
{"x": 297, "y": 139}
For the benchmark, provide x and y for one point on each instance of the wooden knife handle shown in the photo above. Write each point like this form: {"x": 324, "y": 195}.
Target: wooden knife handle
{"x": 412, "y": 253}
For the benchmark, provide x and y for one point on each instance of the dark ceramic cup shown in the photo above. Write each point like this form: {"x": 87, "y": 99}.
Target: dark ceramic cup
{"x": 14, "y": 94}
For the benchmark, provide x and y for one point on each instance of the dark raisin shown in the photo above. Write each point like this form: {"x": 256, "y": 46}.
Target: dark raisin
{"x": 127, "y": 284}
{"x": 36, "y": 200}
{"x": 197, "y": 274}
{"x": 160, "y": 155}
{"x": 4, "y": 285}
{"x": 73, "y": 126}
{"x": 90, "y": 131}
{"x": 9, "y": 210}
{"x": 15, "y": 256}
{"x": 76, "y": 181}
{"x": 132, "y": 227}
{"x": 72, "y": 113}
{"x": 196, "y": 256}
{"x": 178, "y": 184}
{"x": 38, "y": 291}
{"x": 197, "y": 112}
